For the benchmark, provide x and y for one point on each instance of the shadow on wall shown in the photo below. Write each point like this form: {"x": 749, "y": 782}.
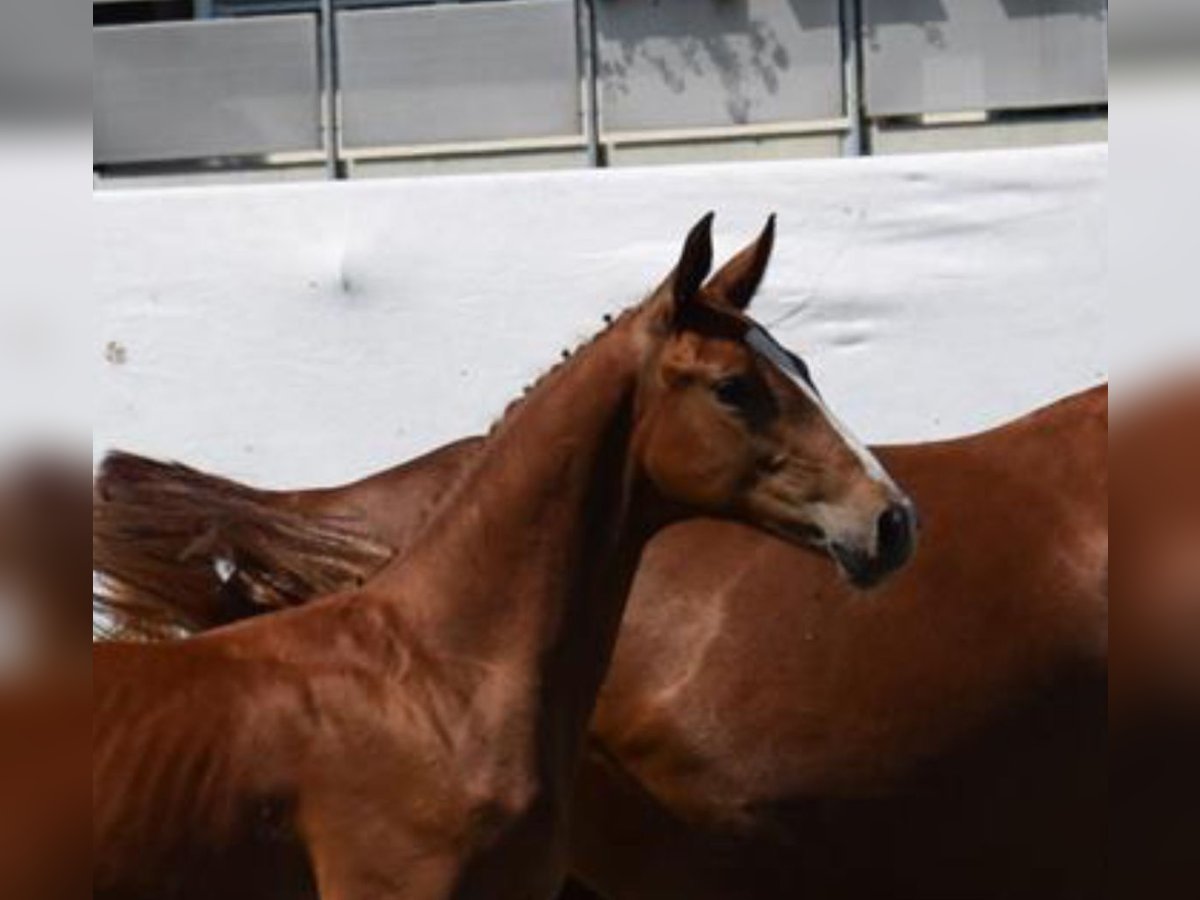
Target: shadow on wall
{"x": 929, "y": 15}
{"x": 926, "y": 12}
{"x": 735, "y": 41}
{"x": 1086, "y": 9}
{"x": 904, "y": 12}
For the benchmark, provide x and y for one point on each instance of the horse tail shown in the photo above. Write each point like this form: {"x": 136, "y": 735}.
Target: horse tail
{"x": 176, "y": 551}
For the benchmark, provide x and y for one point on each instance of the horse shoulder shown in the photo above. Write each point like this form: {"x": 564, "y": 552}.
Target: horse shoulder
{"x": 195, "y": 752}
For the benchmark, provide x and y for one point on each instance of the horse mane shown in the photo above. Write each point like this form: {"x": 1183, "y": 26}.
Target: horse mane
{"x": 565, "y": 357}
{"x": 177, "y": 551}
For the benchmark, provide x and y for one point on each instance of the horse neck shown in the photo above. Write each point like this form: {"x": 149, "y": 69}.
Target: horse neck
{"x": 525, "y": 568}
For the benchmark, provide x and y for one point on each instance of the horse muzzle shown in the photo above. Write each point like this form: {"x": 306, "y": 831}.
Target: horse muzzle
{"x": 895, "y": 539}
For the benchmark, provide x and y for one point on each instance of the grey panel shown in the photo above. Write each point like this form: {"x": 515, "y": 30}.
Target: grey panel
{"x": 712, "y": 63}
{"x": 449, "y": 74}
{"x": 951, "y": 55}
{"x": 195, "y": 89}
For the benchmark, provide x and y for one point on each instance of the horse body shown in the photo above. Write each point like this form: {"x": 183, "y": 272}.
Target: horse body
{"x": 418, "y": 736}
{"x": 45, "y": 681}
{"x": 765, "y": 730}
{"x": 314, "y": 751}
{"x": 1155, "y": 683}
{"x": 396, "y": 502}
{"x": 200, "y": 780}
{"x": 42, "y": 501}
{"x": 413, "y": 739}
{"x": 45, "y": 810}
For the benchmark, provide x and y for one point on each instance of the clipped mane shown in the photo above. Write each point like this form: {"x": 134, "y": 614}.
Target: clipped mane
{"x": 565, "y": 357}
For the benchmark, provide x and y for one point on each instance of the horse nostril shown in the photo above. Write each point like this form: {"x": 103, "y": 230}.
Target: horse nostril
{"x": 895, "y": 534}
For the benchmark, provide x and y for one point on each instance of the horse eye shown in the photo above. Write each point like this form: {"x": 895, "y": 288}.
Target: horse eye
{"x": 733, "y": 391}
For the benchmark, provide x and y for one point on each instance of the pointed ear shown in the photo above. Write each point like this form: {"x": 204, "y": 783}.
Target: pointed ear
{"x": 694, "y": 263}
{"x": 737, "y": 281}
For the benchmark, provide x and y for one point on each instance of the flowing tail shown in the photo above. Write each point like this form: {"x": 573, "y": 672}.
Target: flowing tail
{"x": 176, "y": 551}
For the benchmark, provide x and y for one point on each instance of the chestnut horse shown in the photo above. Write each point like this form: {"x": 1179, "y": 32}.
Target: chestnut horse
{"x": 1155, "y": 702}
{"x": 43, "y": 553}
{"x": 765, "y": 733}
{"x": 763, "y": 730}
{"x": 45, "y": 681}
{"x": 418, "y": 737}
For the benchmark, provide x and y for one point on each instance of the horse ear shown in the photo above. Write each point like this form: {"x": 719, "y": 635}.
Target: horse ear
{"x": 694, "y": 264}
{"x": 737, "y": 281}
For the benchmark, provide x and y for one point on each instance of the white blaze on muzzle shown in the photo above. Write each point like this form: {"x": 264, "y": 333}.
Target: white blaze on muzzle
{"x": 759, "y": 340}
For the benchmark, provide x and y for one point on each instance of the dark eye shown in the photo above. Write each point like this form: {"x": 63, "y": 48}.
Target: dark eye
{"x": 733, "y": 392}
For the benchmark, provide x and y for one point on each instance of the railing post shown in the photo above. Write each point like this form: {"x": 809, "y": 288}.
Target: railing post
{"x": 330, "y": 86}
{"x": 858, "y": 138}
{"x": 589, "y": 60}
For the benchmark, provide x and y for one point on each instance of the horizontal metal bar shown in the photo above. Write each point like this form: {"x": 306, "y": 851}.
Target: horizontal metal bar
{"x": 728, "y": 132}
{"x": 468, "y": 148}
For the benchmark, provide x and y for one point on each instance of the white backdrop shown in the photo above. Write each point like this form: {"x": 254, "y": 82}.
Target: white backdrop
{"x": 312, "y": 333}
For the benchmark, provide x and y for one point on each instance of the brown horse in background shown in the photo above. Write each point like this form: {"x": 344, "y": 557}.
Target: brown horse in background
{"x": 418, "y": 737}
{"x": 764, "y": 730}
{"x": 45, "y": 680}
{"x": 1155, "y": 704}
{"x": 45, "y": 501}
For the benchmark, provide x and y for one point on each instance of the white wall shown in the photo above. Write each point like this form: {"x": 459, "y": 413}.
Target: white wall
{"x": 295, "y": 334}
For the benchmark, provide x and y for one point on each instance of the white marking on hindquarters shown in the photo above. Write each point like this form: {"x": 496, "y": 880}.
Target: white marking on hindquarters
{"x": 758, "y": 339}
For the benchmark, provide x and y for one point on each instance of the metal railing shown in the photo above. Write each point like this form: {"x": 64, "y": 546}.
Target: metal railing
{"x": 576, "y": 76}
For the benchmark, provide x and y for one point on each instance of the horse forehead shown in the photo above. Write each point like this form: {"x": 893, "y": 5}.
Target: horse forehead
{"x": 692, "y": 349}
